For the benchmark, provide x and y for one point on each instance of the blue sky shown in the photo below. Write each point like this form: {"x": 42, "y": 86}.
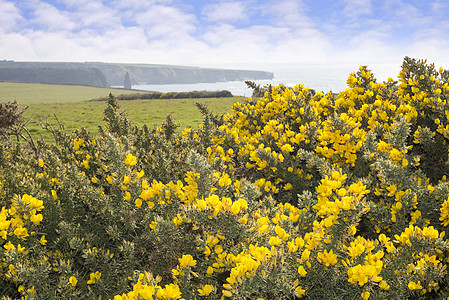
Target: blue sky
{"x": 225, "y": 32}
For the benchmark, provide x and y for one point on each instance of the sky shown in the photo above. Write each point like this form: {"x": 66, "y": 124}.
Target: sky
{"x": 225, "y": 33}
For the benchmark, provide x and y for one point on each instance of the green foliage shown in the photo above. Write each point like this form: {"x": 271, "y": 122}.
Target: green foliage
{"x": 295, "y": 194}
{"x": 171, "y": 95}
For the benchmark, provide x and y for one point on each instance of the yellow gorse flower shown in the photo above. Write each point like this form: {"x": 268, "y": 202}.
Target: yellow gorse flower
{"x": 130, "y": 160}
{"x": 327, "y": 258}
{"x": 94, "y": 277}
{"x": 170, "y": 291}
{"x": 73, "y": 281}
{"x": 205, "y": 290}
{"x": 186, "y": 260}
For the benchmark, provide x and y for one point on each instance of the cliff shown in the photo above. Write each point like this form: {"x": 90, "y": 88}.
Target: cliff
{"x": 86, "y": 76}
{"x": 104, "y": 74}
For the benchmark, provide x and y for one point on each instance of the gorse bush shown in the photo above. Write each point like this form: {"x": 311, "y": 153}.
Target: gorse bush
{"x": 292, "y": 195}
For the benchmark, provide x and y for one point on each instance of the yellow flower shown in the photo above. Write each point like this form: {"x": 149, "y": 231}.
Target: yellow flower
{"x": 73, "y": 281}
{"x": 36, "y": 219}
{"x": 366, "y": 295}
{"x": 288, "y": 186}
{"x": 126, "y": 179}
{"x": 94, "y": 277}
{"x": 328, "y": 258}
{"x": 186, "y": 260}
{"x": 21, "y": 232}
{"x": 281, "y": 233}
{"x": 352, "y": 230}
{"x": 209, "y": 271}
{"x": 177, "y": 220}
{"x": 9, "y": 246}
{"x": 130, "y": 160}
{"x": 305, "y": 255}
{"x": 54, "y": 195}
{"x": 287, "y": 148}
{"x": 299, "y": 291}
{"x": 383, "y": 285}
{"x": 32, "y": 290}
{"x": 140, "y": 174}
{"x": 43, "y": 241}
{"x": 85, "y": 163}
{"x": 444, "y": 213}
{"x": 244, "y": 219}
{"x": 171, "y": 291}
{"x": 77, "y": 143}
{"x": 218, "y": 249}
{"x": 275, "y": 241}
{"x": 205, "y": 290}
{"x": 41, "y": 162}
{"x": 109, "y": 179}
{"x": 224, "y": 180}
{"x": 127, "y": 196}
{"x": 302, "y": 271}
{"x": 227, "y": 293}
{"x": 20, "y": 248}
{"x": 414, "y": 286}
{"x": 235, "y": 208}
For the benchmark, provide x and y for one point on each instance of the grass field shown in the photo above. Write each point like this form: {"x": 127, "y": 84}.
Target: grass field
{"x": 29, "y": 93}
{"x": 74, "y": 115}
{"x": 69, "y": 104}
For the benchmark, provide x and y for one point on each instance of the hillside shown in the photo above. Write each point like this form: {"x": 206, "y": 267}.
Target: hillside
{"x": 114, "y": 74}
{"x": 86, "y": 76}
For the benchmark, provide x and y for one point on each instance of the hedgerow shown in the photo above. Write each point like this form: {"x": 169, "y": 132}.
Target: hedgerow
{"x": 171, "y": 95}
{"x": 295, "y": 194}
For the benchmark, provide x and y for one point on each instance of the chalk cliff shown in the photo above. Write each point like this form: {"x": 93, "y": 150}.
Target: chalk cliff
{"x": 106, "y": 74}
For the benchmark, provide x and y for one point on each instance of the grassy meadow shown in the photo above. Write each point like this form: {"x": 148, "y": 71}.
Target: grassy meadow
{"x": 30, "y": 93}
{"x": 71, "y": 106}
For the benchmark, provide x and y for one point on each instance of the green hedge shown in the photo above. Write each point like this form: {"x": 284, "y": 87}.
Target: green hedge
{"x": 171, "y": 95}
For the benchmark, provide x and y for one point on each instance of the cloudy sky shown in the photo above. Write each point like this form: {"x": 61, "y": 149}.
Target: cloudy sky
{"x": 225, "y": 32}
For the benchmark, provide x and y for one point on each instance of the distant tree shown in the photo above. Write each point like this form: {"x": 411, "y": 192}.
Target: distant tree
{"x": 127, "y": 83}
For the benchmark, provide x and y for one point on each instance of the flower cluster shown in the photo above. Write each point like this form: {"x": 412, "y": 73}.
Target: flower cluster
{"x": 293, "y": 194}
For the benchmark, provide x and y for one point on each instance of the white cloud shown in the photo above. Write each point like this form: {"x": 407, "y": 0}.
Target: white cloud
{"x": 261, "y": 35}
{"x": 405, "y": 15}
{"x": 96, "y": 14}
{"x": 290, "y": 13}
{"x": 293, "y": 36}
{"x": 161, "y": 21}
{"x": 166, "y": 34}
{"x": 440, "y": 7}
{"x": 432, "y": 49}
{"x": 236, "y": 32}
{"x": 225, "y": 12}
{"x": 135, "y": 5}
{"x": 16, "y": 46}
{"x": 356, "y": 8}
{"x": 368, "y": 48}
{"x": 265, "y": 44}
{"x": 48, "y": 16}
{"x": 9, "y": 16}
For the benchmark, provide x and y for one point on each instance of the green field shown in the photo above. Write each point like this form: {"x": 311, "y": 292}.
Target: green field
{"x": 29, "y": 93}
{"x": 70, "y": 105}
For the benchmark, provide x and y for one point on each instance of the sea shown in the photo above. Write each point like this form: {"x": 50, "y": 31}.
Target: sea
{"x": 322, "y": 78}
